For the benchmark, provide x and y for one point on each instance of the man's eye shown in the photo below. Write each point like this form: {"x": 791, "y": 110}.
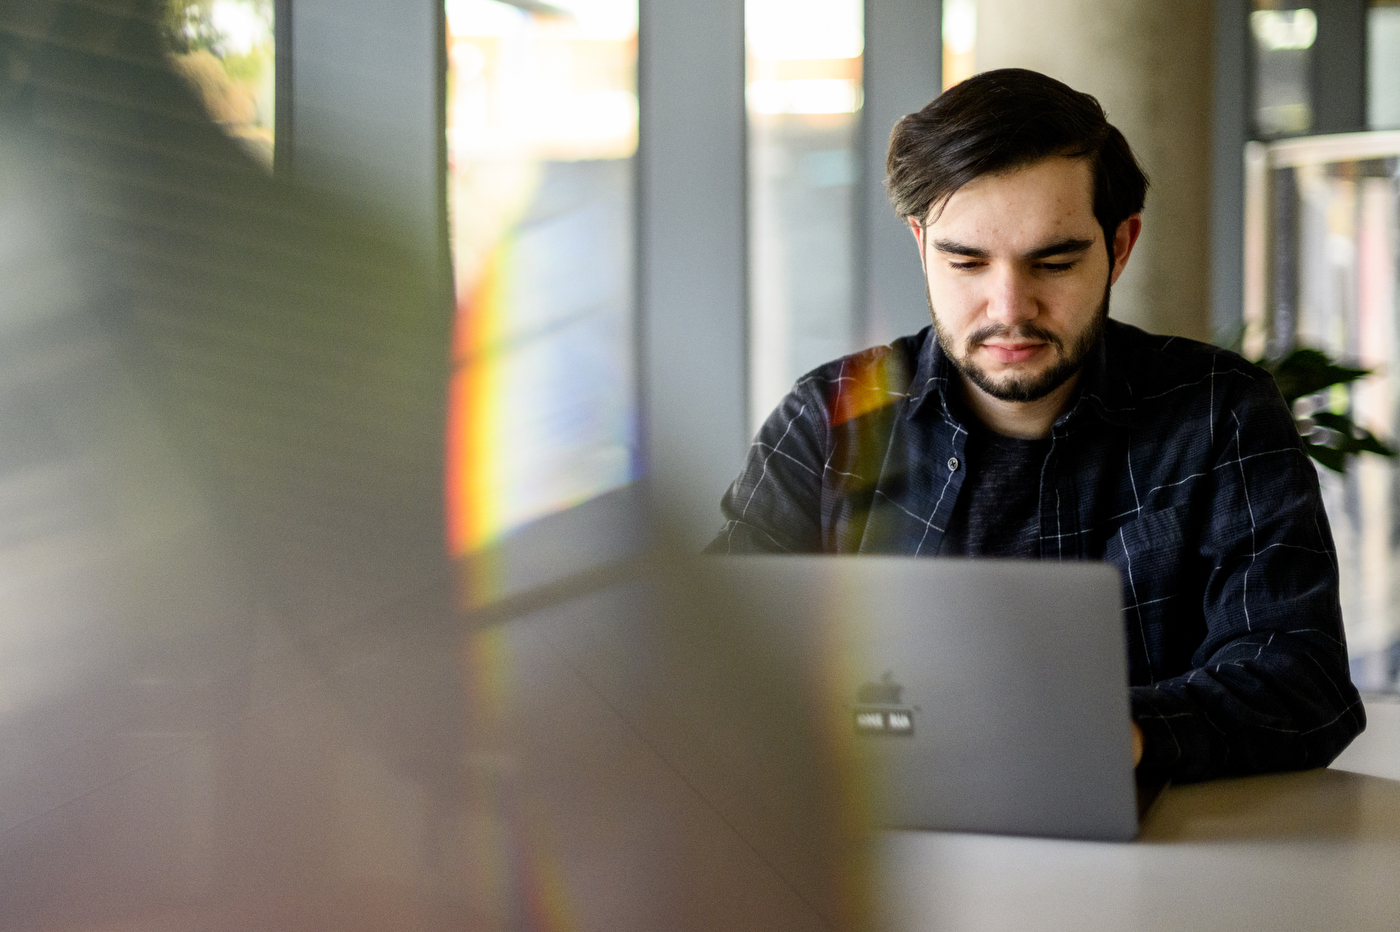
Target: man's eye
{"x": 1056, "y": 266}
{"x": 970, "y": 265}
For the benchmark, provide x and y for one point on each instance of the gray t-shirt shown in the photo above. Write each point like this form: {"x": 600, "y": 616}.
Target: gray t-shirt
{"x": 998, "y": 509}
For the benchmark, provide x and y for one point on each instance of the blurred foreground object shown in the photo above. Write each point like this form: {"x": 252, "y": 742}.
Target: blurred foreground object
{"x": 673, "y": 760}
{"x": 228, "y": 623}
{"x": 237, "y": 693}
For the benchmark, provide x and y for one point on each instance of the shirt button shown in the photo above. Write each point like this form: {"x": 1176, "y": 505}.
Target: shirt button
{"x": 952, "y": 464}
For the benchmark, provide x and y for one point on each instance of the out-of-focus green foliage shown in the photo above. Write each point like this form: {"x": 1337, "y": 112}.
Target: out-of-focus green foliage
{"x": 1329, "y": 435}
{"x": 247, "y": 69}
{"x": 1307, "y": 372}
{"x": 209, "y": 44}
{"x": 188, "y": 25}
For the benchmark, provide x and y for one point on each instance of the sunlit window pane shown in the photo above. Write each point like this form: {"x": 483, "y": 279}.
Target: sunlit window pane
{"x": 959, "y": 41}
{"x": 1324, "y": 241}
{"x": 804, "y": 93}
{"x": 225, "y": 50}
{"x": 542, "y": 127}
{"x": 1283, "y": 42}
{"x": 1382, "y": 75}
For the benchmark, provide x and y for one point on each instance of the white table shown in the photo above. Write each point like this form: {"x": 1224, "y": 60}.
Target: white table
{"x": 1318, "y": 850}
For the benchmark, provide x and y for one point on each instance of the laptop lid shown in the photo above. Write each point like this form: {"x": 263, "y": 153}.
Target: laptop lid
{"x": 983, "y": 695}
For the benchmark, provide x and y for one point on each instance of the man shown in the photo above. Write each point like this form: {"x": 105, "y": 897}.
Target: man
{"x": 1025, "y": 423}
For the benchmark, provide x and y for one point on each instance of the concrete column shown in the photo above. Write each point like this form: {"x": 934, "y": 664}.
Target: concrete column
{"x": 692, "y": 253}
{"x": 1149, "y": 64}
{"x": 903, "y": 72}
{"x": 367, "y": 110}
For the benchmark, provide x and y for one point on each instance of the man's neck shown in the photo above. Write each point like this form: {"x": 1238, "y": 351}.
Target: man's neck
{"x": 1025, "y": 420}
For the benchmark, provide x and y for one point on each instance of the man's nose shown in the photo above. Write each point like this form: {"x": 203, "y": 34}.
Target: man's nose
{"x": 1012, "y": 298}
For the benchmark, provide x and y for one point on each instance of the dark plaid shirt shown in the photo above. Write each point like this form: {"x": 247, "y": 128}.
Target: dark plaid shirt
{"x": 1177, "y": 462}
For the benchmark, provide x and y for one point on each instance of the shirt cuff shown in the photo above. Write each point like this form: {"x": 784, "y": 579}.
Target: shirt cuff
{"x": 1173, "y": 746}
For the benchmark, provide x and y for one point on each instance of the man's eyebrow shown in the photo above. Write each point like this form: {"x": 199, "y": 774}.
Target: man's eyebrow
{"x": 958, "y": 249}
{"x": 1057, "y": 248}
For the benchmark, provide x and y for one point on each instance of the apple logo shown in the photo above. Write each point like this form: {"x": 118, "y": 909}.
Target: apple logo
{"x": 885, "y": 692}
{"x": 873, "y": 711}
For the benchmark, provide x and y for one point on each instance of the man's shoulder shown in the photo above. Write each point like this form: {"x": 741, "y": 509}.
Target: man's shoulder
{"x": 1168, "y": 369}
{"x": 892, "y": 362}
{"x": 859, "y": 383}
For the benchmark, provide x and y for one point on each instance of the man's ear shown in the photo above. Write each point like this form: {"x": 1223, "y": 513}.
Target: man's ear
{"x": 1123, "y": 241}
{"x": 918, "y": 229}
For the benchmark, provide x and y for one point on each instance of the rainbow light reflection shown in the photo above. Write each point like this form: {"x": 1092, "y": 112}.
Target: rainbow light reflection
{"x": 543, "y": 407}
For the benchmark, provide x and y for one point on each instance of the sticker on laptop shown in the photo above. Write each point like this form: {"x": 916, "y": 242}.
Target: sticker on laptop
{"x": 879, "y": 711}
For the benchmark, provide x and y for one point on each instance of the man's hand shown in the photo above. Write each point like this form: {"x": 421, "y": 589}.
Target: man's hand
{"x": 1137, "y": 744}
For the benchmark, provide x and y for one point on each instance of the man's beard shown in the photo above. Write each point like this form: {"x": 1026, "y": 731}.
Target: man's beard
{"x": 1031, "y": 387}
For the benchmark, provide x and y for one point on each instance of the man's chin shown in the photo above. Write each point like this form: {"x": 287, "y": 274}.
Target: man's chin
{"x": 1020, "y": 386}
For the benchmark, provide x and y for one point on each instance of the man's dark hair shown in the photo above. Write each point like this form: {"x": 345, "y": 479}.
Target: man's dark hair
{"x": 1001, "y": 120}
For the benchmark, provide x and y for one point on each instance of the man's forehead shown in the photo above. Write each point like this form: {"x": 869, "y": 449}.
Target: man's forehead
{"x": 1057, "y": 185}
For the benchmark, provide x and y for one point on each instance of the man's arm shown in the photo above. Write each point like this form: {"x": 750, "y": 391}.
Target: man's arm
{"x": 774, "y": 506}
{"x": 1270, "y": 689}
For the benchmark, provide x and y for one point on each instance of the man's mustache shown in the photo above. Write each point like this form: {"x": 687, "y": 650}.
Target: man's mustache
{"x": 1026, "y": 332}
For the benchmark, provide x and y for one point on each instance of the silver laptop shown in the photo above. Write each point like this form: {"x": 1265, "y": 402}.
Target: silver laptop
{"x": 985, "y": 695}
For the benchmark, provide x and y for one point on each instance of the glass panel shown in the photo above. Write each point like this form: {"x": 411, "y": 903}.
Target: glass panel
{"x": 1382, "y": 75}
{"x": 542, "y": 127}
{"x": 804, "y": 99}
{"x": 1332, "y": 275}
{"x": 1283, "y": 41}
{"x": 1346, "y": 305}
{"x": 225, "y": 50}
{"x": 959, "y": 41}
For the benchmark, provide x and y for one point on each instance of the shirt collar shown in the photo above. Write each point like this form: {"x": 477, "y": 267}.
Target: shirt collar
{"x": 931, "y": 374}
{"x": 1104, "y": 391}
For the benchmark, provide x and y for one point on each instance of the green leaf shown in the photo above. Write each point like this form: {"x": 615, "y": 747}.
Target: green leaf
{"x": 1308, "y": 371}
{"x": 1334, "y": 460}
{"x": 1351, "y": 439}
{"x": 1338, "y": 422}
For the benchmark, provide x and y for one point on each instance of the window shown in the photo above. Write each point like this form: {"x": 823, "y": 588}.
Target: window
{"x": 804, "y": 93}
{"x": 959, "y": 41}
{"x": 1382, "y": 75}
{"x": 1322, "y": 241}
{"x": 225, "y": 50}
{"x": 542, "y": 129}
{"x": 1283, "y": 66}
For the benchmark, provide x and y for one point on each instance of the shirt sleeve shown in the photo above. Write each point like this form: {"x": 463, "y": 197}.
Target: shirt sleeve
{"x": 774, "y": 506}
{"x": 1270, "y": 689}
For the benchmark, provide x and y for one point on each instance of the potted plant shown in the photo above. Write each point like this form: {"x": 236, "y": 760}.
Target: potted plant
{"x": 1330, "y": 435}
